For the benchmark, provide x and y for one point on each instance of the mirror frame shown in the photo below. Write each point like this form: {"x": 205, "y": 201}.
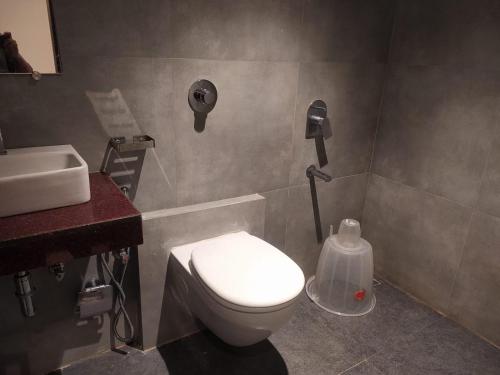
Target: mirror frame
{"x": 55, "y": 46}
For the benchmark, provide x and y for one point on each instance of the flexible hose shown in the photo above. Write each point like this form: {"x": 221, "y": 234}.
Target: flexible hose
{"x": 121, "y": 302}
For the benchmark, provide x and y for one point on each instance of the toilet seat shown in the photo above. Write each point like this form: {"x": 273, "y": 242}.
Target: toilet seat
{"x": 245, "y": 273}
{"x": 226, "y": 304}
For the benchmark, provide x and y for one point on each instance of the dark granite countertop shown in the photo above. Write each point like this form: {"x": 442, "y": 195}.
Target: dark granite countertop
{"x": 108, "y": 221}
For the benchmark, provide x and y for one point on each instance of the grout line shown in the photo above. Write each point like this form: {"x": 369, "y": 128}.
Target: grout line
{"x": 408, "y": 294}
{"x": 247, "y": 60}
{"x": 462, "y": 256}
{"x": 475, "y": 208}
{"x": 290, "y": 170}
{"x": 170, "y": 122}
{"x": 286, "y": 219}
{"x": 273, "y": 190}
{"x": 292, "y": 148}
{"x": 290, "y": 61}
{"x": 440, "y": 313}
{"x": 426, "y": 192}
{"x": 484, "y": 172}
{"x": 334, "y": 179}
{"x": 356, "y": 365}
{"x": 384, "y": 85}
{"x": 299, "y": 65}
{"x": 386, "y": 71}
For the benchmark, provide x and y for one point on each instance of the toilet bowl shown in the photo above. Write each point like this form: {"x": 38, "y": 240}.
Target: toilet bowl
{"x": 241, "y": 287}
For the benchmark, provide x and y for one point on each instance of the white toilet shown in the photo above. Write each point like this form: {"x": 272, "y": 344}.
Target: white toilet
{"x": 242, "y": 288}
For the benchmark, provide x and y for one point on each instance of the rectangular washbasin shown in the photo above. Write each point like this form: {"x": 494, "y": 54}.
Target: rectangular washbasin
{"x": 40, "y": 178}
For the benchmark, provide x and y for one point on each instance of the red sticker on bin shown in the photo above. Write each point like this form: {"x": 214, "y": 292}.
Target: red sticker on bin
{"x": 360, "y": 294}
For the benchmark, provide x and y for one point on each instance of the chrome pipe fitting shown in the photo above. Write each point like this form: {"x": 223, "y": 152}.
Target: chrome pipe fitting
{"x": 25, "y": 291}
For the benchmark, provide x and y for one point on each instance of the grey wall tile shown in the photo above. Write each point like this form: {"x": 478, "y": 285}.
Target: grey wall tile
{"x": 276, "y": 213}
{"x": 232, "y": 30}
{"x": 158, "y": 179}
{"x": 489, "y": 197}
{"x": 352, "y": 95}
{"x": 339, "y": 199}
{"x": 462, "y": 32}
{"x": 417, "y": 239}
{"x": 32, "y": 120}
{"x": 58, "y": 110}
{"x": 99, "y": 28}
{"x": 473, "y": 300}
{"x": 164, "y": 316}
{"x": 340, "y": 30}
{"x": 246, "y": 145}
{"x": 436, "y": 129}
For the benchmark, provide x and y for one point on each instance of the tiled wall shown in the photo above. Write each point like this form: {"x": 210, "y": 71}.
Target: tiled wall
{"x": 164, "y": 298}
{"x": 268, "y": 59}
{"x": 433, "y": 203}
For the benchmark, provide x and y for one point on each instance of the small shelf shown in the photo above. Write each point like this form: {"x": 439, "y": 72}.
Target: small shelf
{"x": 107, "y": 222}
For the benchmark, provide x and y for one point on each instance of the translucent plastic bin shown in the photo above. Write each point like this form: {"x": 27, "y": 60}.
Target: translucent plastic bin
{"x": 344, "y": 275}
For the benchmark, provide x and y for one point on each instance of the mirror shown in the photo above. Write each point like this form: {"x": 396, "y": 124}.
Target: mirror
{"x": 27, "y": 37}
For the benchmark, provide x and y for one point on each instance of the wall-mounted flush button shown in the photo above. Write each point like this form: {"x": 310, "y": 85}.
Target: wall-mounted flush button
{"x": 202, "y": 98}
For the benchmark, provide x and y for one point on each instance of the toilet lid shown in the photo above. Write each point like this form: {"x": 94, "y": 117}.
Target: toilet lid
{"x": 247, "y": 271}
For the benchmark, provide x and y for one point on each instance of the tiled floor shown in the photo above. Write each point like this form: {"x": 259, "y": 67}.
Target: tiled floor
{"x": 399, "y": 337}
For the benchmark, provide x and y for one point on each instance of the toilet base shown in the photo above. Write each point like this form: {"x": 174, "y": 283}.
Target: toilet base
{"x": 237, "y": 328}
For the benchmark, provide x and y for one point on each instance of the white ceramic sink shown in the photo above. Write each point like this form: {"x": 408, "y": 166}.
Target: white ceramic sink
{"x": 39, "y": 178}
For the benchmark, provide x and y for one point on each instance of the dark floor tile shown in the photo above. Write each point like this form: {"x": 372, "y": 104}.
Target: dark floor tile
{"x": 442, "y": 348}
{"x": 311, "y": 346}
{"x": 363, "y": 368}
{"x": 203, "y": 353}
{"x": 395, "y": 317}
{"x": 408, "y": 339}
